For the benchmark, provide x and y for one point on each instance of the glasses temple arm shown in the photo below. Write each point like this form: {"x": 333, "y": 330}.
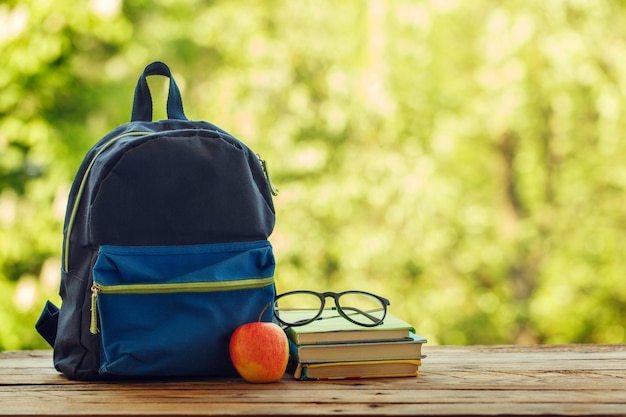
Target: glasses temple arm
{"x": 362, "y": 312}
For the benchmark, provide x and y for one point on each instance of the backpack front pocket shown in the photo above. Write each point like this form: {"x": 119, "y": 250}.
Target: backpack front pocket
{"x": 170, "y": 310}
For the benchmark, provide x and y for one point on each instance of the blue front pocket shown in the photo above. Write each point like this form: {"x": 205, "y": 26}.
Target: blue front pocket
{"x": 170, "y": 310}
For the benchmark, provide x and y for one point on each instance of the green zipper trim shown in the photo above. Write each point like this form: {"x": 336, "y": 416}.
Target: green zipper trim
{"x": 81, "y": 189}
{"x": 266, "y": 172}
{"x": 174, "y": 287}
{"x": 170, "y": 288}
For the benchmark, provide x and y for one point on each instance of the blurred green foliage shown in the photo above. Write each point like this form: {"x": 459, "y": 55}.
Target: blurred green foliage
{"x": 464, "y": 159}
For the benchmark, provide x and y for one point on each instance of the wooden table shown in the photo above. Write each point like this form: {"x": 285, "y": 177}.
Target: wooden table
{"x": 453, "y": 380}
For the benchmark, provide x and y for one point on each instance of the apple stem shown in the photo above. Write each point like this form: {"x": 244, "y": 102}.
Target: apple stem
{"x": 263, "y": 311}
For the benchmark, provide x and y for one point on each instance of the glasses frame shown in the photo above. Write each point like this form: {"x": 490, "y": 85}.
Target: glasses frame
{"x": 336, "y": 297}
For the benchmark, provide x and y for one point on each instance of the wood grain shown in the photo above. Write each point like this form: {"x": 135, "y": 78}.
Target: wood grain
{"x": 453, "y": 380}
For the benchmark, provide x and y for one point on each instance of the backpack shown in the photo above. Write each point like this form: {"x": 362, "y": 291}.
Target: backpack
{"x": 165, "y": 249}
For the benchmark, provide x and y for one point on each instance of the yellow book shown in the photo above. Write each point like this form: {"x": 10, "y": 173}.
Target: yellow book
{"x": 356, "y": 370}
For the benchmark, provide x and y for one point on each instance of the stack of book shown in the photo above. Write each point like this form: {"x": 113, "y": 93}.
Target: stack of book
{"x": 334, "y": 348}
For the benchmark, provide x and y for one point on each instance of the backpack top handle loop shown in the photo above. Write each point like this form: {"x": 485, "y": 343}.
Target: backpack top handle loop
{"x": 142, "y": 104}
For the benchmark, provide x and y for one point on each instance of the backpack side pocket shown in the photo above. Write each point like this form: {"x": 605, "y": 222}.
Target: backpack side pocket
{"x": 170, "y": 310}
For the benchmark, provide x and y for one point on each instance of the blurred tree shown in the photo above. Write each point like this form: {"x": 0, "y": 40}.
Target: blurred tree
{"x": 460, "y": 158}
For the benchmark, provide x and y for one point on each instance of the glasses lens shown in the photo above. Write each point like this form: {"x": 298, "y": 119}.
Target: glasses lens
{"x": 297, "y": 307}
{"x": 362, "y": 308}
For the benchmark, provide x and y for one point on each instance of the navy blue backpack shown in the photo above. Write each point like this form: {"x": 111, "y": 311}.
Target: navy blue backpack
{"x": 165, "y": 249}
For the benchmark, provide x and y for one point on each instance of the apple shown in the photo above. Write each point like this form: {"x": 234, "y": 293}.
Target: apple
{"x": 259, "y": 351}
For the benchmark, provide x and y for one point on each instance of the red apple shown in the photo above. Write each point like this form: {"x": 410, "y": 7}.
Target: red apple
{"x": 259, "y": 351}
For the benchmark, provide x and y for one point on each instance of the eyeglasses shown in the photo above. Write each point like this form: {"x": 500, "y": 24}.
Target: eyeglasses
{"x": 297, "y": 308}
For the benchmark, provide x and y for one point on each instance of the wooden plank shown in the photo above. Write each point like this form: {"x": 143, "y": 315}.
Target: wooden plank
{"x": 457, "y": 354}
{"x": 491, "y": 349}
{"x": 446, "y": 379}
{"x": 309, "y": 409}
{"x": 474, "y": 354}
{"x": 280, "y": 395}
{"x": 450, "y": 379}
{"x": 184, "y": 405}
{"x": 97, "y": 398}
{"x": 456, "y": 380}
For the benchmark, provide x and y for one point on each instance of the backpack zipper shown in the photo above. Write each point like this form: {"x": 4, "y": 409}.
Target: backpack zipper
{"x": 170, "y": 288}
{"x": 266, "y": 172}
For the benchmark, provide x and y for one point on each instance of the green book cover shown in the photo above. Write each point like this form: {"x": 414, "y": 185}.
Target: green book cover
{"x": 332, "y": 328}
{"x": 410, "y": 348}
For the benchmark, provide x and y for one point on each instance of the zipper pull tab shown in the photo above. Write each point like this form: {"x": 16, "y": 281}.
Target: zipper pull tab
{"x": 93, "y": 328}
{"x": 273, "y": 189}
